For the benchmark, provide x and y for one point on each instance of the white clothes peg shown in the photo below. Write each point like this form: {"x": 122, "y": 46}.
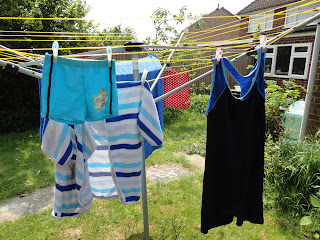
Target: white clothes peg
{"x": 144, "y": 77}
{"x": 55, "y": 47}
{"x": 109, "y": 55}
{"x": 263, "y": 42}
{"x": 219, "y": 53}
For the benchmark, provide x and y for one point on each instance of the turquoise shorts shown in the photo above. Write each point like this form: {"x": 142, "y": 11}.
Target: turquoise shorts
{"x": 74, "y": 91}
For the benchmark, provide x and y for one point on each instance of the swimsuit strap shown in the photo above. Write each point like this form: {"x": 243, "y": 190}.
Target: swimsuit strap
{"x": 49, "y": 87}
{"x": 110, "y": 75}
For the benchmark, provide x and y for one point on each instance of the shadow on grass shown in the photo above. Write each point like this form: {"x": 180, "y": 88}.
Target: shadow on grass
{"x": 137, "y": 236}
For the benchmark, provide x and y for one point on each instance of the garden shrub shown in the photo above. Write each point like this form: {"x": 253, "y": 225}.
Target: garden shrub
{"x": 278, "y": 99}
{"x": 19, "y": 102}
{"x": 292, "y": 175}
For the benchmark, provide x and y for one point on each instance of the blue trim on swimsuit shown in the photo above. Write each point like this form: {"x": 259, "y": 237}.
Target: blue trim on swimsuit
{"x": 220, "y": 82}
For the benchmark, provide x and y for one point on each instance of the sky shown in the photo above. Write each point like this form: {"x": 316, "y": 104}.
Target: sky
{"x": 136, "y": 14}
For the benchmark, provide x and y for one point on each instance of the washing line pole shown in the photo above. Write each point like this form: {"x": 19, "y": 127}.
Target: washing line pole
{"x": 166, "y": 63}
{"x": 136, "y": 77}
{"x": 312, "y": 76}
{"x": 15, "y": 68}
{"x": 243, "y": 55}
{"x": 16, "y": 53}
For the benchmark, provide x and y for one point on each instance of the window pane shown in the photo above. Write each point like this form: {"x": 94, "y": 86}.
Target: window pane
{"x": 306, "y": 13}
{"x": 269, "y": 50}
{"x": 269, "y": 20}
{"x": 290, "y": 17}
{"x": 268, "y": 64}
{"x": 301, "y": 49}
{"x": 299, "y": 66}
{"x": 253, "y": 23}
{"x": 283, "y": 60}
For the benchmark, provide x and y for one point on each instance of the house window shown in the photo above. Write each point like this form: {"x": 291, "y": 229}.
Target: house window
{"x": 288, "y": 60}
{"x": 263, "y": 21}
{"x": 297, "y": 14}
{"x": 283, "y": 60}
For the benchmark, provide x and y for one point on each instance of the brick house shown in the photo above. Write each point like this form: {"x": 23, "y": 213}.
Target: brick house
{"x": 216, "y": 31}
{"x": 210, "y": 32}
{"x": 290, "y": 56}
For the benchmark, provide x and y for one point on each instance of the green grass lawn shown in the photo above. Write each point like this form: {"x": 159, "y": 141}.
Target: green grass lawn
{"x": 174, "y": 207}
{"x": 174, "y": 213}
{"x": 23, "y": 166}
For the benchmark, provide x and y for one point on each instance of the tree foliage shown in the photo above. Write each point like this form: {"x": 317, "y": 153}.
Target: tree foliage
{"x": 166, "y": 24}
{"x": 43, "y": 9}
{"x": 19, "y": 98}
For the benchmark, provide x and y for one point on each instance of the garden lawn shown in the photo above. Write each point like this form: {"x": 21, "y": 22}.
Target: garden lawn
{"x": 23, "y": 166}
{"x": 174, "y": 207}
{"x": 174, "y": 213}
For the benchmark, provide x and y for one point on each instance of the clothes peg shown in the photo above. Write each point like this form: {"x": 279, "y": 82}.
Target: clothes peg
{"x": 55, "y": 47}
{"x": 219, "y": 53}
{"x": 144, "y": 77}
{"x": 263, "y": 42}
{"x": 109, "y": 56}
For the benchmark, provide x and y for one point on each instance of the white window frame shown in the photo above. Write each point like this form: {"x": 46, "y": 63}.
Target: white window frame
{"x": 265, "y": 16}
{"x": 297, "y": 10}
{"x": 293, "y": 55}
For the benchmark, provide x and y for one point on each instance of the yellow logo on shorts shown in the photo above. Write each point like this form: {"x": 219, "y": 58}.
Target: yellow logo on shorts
{"x": 100, "y": 100}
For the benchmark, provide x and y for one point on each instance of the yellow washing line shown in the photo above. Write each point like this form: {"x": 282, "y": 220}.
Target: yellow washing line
{"x": 59, "y": 33}
{"x": 37, "y": 55}
{"x": 242, "y": 38}
{"x": 64, "y": 40}
{"x": 82, "y": 19}
{"x": 259, "y": 14}
{"x": 232, "y": 56}
{"x": 62, "y": 36}
{"x": 70, "y": 33}
{"x": 221, "y": 27}
{"x": 245, "y": 27}
{"x": 236, "y": 40}
{"x": 71, "y": 40}
{"x": 34, "y": 18}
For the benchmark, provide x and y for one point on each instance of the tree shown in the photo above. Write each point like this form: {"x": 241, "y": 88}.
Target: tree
{"x": 19, "y": 98}
{"x": 166, "y": 25}
{"x": 43, "y": 9}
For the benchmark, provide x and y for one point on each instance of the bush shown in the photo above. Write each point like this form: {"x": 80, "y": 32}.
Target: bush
{"x": 278, "y": 99}
{"x": 19, "y": 102}
{"x": 292, "y": 175}
{"x": 171, "y": 114}
{"x": 199, "y": 102}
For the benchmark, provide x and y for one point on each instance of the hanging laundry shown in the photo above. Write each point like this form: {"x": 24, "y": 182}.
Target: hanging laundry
{"x": 74, "y": 91}
{"x": 172, "y": 80}
{"x": 152, "y": 64}
{"x": 102, "y": 158}
{"x": 69, "y": 146}
{"x": 234, "y": 167}
{"x": 115, "y": 167}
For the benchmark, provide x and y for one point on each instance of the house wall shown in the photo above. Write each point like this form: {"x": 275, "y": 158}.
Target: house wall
{"x": 313, "y": 123}
{"x": 301, "y": 82}
{"x": 215, "y": 29}
{"x": 279, "y": 18}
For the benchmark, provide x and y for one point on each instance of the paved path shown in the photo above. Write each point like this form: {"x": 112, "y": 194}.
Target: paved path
{"x": 42, "y": 199}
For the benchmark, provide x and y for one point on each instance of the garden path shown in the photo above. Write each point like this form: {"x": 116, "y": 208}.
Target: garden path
{"x": 42, "y": 199}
